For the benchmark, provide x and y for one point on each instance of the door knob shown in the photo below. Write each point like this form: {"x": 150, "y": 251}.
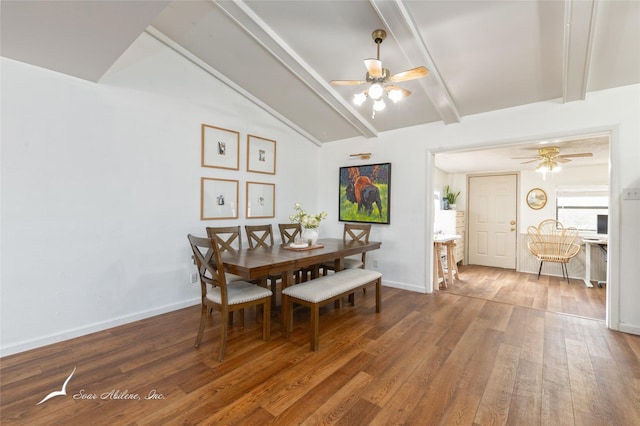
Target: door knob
{"x": 513, "y": 222}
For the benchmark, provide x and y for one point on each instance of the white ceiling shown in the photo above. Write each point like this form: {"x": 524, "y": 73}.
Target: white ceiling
{"x": 507, "y": 158}
{"x": 481, "y": 55}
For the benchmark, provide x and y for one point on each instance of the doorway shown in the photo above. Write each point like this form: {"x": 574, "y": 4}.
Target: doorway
{"x": 487, "y": 160}
{"x": 492, "y": 213}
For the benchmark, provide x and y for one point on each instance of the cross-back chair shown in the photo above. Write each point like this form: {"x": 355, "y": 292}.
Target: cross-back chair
{"x": 259, "y": 235}
{"x": 550, "y": 241}
{"x": 262, "y": 236}
{"x": 231, "y": 240}
{"x": 352, "y": 232}
{"x": 289, "y": 232}
{"x": 224, "y": 297}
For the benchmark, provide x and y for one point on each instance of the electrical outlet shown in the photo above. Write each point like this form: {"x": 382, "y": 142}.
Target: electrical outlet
{"x": 375, "y": 263}
{"x": 193, "y": 277}
{"x": 631, "y": 193}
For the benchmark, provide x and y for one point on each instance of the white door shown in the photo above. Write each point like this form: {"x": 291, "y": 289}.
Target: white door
{"x": 492, "y": 220}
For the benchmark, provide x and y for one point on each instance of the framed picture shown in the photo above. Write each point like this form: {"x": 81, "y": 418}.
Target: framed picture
{"x": 536, "y": 198}
{"x": 365, "y": 193}
{"x": 261, "y": 155}
{"x": 220, "y": 148}
{"x": 218, "y": 199}
{"x": 261, "y": 198}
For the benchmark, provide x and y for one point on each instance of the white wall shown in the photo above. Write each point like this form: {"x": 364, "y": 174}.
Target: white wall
{"x": 404, "y": 254}
{"x": 101, "y": 185}
{"x": 588, "y": 175}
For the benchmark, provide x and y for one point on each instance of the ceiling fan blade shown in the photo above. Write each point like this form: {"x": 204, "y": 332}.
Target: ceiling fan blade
{"x": 530, "y": 161}
{"x": 582, "y": 154}
{"x": 533, "y": 157}
{"x": 561, "y": 159}
{"x": 404, "y": 91}
{"x": 411, "y": 74}
{"x": 374, "y": 67}
{"x": 346, "y": 82}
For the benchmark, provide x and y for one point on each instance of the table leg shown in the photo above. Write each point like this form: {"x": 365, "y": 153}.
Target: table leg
{"x": 436, "y": 281}
{"x": 288, "y": 279}
{"x": 587, "y": 265}
{"x": 440, "y": 266}
{"x": 452, "y": 265}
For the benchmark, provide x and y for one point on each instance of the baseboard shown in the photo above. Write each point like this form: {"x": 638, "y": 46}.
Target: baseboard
{"x": 403, "y": 286}
{"x": 629, "y": 328}
{"x": 26, "y": 345}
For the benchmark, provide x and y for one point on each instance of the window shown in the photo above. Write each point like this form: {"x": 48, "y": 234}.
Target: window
{"x": 580, "y": 206}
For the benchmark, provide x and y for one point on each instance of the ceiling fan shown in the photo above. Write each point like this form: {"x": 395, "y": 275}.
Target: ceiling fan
{"x": 381, "y": 80}
{"x": 549, "y": 157}
{"x": 552, "y": 153}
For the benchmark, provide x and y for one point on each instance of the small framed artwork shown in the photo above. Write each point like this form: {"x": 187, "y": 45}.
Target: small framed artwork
{"x": 261, "y": 155}
{"x": 261, "y": 199}
{"x": 536, "y": 198}
{"x": 364, "y": 193}
{"x": 220, "y": 148}
{"x": 218, "y": 199}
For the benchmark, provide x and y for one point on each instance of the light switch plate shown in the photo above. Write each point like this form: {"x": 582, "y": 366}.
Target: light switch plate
{"x": 631, "y": 193}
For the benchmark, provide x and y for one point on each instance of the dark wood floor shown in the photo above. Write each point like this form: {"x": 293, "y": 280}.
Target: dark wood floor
{"x": 452, "y": 357}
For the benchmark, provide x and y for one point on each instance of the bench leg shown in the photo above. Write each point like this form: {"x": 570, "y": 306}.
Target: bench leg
{"x": 378, "y": 296}
{"x": 315, "y": 326}
{"x": 287, "y": 315}
{"x": 266, "y": 320}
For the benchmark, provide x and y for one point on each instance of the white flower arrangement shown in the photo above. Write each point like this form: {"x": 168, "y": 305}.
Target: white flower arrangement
{"x": 307, "y": 221}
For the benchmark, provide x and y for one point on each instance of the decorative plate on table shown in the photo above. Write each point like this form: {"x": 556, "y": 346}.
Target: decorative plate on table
{"x": 298, "y": 246}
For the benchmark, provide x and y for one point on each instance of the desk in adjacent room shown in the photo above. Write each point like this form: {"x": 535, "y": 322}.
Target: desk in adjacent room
{"x": 588, "y": 242}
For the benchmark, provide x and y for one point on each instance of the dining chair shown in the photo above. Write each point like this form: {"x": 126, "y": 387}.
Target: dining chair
{"x": 222, "y": 296}
{"x": 230, "y": 239}
{"x": 352, "y": 232}
{"x": 262, "y": 236}
{"x": 259, "y": 235}
{"x": 289, "y": 232}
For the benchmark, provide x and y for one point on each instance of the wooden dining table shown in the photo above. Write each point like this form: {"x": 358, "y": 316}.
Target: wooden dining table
{"x": 260, "y": 262}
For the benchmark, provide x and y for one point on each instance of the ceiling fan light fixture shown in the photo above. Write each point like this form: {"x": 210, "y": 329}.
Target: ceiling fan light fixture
{"x": 379, "y": 105}
{"x": 395, "y": 95}
{"x": 376, "y": 91}
{"x": 359, "y": 98}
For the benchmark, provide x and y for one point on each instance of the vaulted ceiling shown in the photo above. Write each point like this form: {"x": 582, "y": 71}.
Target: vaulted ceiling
{"x": 481, "y": 55}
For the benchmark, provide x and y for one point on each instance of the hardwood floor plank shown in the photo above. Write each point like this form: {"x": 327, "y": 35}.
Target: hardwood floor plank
{"x": 496, "y": 399}
{"x": 335, "y": 407}
{"x": 585, "y": 395}
{"x": 526, "y": 401}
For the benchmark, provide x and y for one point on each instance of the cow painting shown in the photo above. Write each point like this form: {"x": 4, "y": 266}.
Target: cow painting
{"x": 365, "y": 195}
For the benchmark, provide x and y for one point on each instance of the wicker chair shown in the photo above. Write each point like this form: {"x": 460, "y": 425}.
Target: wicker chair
{"x": 550, "y": 241}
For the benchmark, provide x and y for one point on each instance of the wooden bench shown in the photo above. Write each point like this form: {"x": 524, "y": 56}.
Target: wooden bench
{"x": 323, "y": 290}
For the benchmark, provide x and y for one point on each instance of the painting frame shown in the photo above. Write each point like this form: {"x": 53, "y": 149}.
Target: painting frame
{"x": 220, "y": 148}
{"x": 261, "y": 155}
{"x": 260, "y": 200}
{"x": 373, "y": 205}
{"x": 536, "y": 198}
{"x": 218, "y": 198}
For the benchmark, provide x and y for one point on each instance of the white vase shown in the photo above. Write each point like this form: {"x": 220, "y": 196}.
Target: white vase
{"x": 310, "y": 234}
